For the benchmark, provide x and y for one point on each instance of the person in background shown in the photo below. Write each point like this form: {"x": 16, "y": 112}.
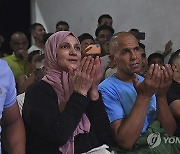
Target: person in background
{"x": 156, "y": 58}
{"x": 64, "y": 113}
{"x": 62, "y": 26}
{"x": 24, "y": 80}
{"x": 144, "y": 60}
{"x": 130, "y": 100}
{"x": 173, "y": 94}
{"x": 11, "y": 121}
{"x": 18, "y": 60}
{"x": 103, "y": 34}
{"x": 37, "y": 75}
{"x": 37, "y": 32}
{"x": 105, "y": 19}
{"x": 85, "y": 39}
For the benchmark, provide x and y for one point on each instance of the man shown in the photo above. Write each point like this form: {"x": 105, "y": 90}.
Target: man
{"x": 12, "y": 122}
{"x": 18, "y": 60}
{"x": 156, "y": 58}
{"x": 37, "y": 32}
{"x": 103, "y": 34}
{"x": 144, "y": 60}
{"x": 132, "y": 109}
{"x": 105, "y": 19}
{"x": 62, "y": 26}
{"x": 85, "y": 39}
{"x": 173, "y": 95}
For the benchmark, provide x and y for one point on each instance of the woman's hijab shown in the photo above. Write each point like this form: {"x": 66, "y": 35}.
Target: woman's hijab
{"x": 61, "y": 83}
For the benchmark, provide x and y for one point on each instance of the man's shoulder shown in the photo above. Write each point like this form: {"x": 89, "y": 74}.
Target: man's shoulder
{"x": 32, "y": 48}
{"x": 4, "y": 67}
{"x": 10, "y": 59}
{"x": 3, "y": 63}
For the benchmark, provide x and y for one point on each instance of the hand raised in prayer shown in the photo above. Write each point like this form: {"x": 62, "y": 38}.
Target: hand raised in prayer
{"x": 93, "y": 92}
{"x": 151, "y": 83}
{"x": 84, "y": 75}
{"x": 166, "y": 80}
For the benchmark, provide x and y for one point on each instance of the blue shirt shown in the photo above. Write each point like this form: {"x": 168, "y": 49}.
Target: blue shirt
{"x": 7, "y": 87}
{"x": 119, "y": 98}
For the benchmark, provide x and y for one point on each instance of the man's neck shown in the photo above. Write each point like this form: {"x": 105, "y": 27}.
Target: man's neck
{"x": 39, "y": 44}
{"x": 124, "y": 77}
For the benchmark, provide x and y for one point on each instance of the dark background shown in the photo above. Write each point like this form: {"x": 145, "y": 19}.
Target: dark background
{"x": 14, "y": 16}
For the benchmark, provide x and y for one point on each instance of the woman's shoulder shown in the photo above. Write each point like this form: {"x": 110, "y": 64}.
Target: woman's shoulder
{"x": 40, "y": 87}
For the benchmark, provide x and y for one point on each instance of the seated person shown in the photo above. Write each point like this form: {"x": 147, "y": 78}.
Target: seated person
{"x": 18, "y": 60}
{"x": 105, "y": 19}
{"x": 85, "y": 39}
{"x": 24, "y": 80}
{"x": 156, "y": 58}
{"x": 130, "y": 101}
{"x": 64, "y": 113}
{"x": 144, "y": 60}
{"x": 62, "y": 26}
{"x": 173, "y": 94}
{"x": 37, "y": 75}
{"x": 37, "y": 32}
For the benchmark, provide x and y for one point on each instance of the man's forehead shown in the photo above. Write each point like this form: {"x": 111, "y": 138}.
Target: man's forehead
{"x": 127, "y": 39}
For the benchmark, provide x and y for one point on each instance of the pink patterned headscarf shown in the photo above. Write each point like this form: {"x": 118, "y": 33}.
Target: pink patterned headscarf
{"x": 60, "y": 81}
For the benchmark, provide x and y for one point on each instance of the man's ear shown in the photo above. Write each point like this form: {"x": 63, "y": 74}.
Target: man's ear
{"x": 33, "y": 34}
{"x": 112, "y": 60}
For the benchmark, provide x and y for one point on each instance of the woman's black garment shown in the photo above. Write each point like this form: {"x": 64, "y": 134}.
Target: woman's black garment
{"x": 47, "y": 128}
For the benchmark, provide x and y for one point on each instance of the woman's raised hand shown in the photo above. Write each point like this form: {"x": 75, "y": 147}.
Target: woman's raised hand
{"x": 84, "y": 75}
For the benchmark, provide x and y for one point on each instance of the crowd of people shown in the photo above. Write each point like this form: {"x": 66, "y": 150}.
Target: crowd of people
{"x": 56, "y": 98}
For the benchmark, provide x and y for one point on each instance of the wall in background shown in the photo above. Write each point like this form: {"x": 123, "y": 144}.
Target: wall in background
{"x": 158, "y": 18}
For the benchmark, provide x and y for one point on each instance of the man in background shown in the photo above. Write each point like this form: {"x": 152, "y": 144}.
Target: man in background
{"x": 18, "y": 60}
{"x": 37, "y": 32}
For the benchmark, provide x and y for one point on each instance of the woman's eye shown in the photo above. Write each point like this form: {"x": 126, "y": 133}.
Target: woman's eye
{"x": 78, "y": 48}
{"x": 65, "y": 46}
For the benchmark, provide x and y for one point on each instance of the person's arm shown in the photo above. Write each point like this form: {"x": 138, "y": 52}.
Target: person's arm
{"x": 14, "y": 130}
{"x": 100, "y": 122}
{"x": 24, "y": 82}
{"x": 175, "y": 108}
{"x": 127, "y": 130}
{"x": 164, "y": 114}
{"x": 41, "y": 113}
{"x": 168, "y": 48}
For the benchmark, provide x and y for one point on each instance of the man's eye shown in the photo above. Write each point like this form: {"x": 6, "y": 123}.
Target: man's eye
{"x": 125, "y": 51}
{"x": 137, "y": 48}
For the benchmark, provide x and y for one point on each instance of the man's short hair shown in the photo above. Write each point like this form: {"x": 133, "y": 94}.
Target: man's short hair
{"x": 33, "y": 26}
{"x": 141, "y": 45}
{"x": 155, "y": 55}
{"x": 85, "y": 36}
{"x": 174, "y": 56}
{"x": 62, "y": 23}
{"x": 104, "y": 27}
{"x": 102, "y": 17}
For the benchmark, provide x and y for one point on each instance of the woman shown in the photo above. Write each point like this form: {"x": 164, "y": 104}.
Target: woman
{"x": 58, "y": 115}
